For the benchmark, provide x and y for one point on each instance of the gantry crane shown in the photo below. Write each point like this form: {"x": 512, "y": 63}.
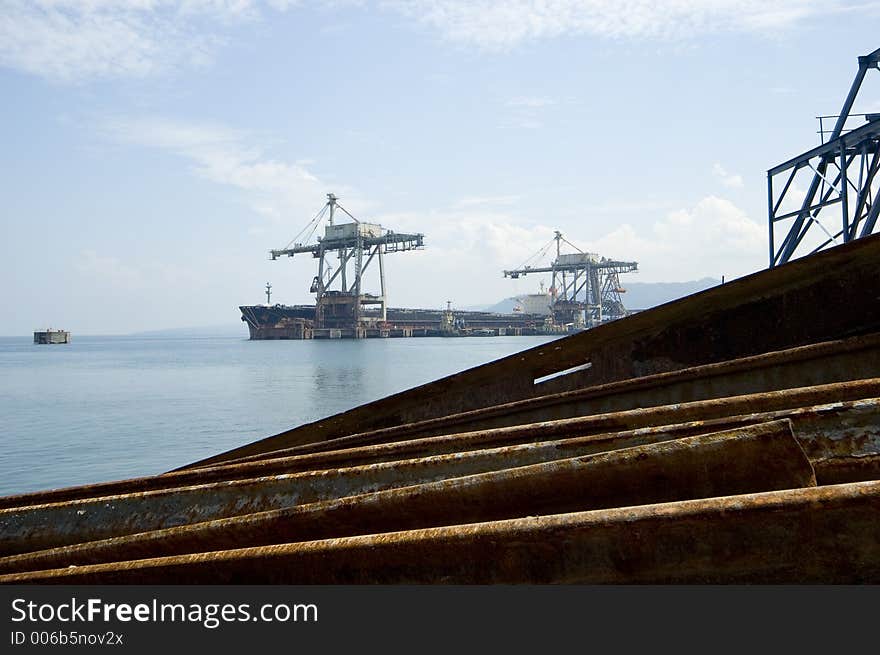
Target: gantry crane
{"x": 357, "y": 243}
{"x": 585, "y": 288}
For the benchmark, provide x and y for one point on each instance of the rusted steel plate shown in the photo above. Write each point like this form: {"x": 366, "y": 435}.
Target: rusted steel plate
{"x": 837, "y": 470}
{"x": 663, "y": 415}
{"x": 760, "y": 457}
{"x": 817, "y": 535}
{"x": 836, "y": 361}
{"x": 850, "y": 428}
{"x": 828, "y": 296}
{"x": 58, "y": 524}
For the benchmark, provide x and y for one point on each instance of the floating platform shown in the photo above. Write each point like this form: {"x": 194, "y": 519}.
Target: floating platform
{"x": 51, "y": 336}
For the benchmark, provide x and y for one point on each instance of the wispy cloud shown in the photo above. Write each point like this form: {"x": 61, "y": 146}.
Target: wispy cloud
{"x": 80, "y": 40}
{"x": 500, "y": 25}
{"x": 468, "y": 247}
{"x": 730, "y": 180}
{"x": 276, "y": 189}
{"x": 77, "y": 40}
{"x": 712, "y": 238}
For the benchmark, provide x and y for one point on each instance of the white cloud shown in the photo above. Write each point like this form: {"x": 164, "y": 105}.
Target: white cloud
{"x": 500, "y": 25}
{"x": 75, "y": 40}
{"x": 467, "y": 248}
{"x": 727, "y": 179}
{"x": 713, "y": 238}
{"x": 283, "y": 192}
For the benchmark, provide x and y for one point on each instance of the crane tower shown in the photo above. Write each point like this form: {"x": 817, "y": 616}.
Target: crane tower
{"x": 585, "y": 288}
{"x": 355, "y": 245}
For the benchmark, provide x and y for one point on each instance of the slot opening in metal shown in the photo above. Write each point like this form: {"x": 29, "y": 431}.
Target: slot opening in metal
{"x": 568, "y": 371}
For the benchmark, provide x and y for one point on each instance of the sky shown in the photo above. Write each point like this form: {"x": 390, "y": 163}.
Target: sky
{"x": 154, "y": 151}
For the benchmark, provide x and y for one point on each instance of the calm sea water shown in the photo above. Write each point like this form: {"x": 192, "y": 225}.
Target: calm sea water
{"x": 106, "y": 408}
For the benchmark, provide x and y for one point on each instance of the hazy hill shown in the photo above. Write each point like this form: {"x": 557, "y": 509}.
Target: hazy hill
{"x": 639, "y": 295}
{"x": 642, "y": 295}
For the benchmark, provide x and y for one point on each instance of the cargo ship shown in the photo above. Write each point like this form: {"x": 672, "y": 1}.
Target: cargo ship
{"x": 299, "y": 322}
{"x": 344, "y": 309}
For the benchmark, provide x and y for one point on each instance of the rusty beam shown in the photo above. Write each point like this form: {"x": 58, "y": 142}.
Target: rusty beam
{"x": 817, "y": 535}
{"x": 662, "y": 415}
{"x": 838, "y": 470}
{"x": 58, "y": 524}
{"x": 755, "y": 458}
{"x": 848, "y": 428}
{"x": 828, "y": 296}
{"x": 837, "y": 361}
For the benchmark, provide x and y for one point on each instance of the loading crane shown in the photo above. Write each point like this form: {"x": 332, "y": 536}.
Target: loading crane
{"x": 585, "y": 288}
{"x": 357, "y": 244}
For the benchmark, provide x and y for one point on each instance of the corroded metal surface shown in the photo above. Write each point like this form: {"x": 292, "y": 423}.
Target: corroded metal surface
{"x": 689, "y": 451}
{"x": 815, "y": 535}
{"x": 760, "y": 457}
{"x": 666, "y": 414}
{"x": 837, "y": 470}
{"x": 47, "y": 526}
{"x": 829, "y": 430}
{"x": 815, "y": 364}
{"x": 811, "y": 300}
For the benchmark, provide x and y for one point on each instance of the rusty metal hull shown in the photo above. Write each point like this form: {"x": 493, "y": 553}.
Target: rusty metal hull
{"x": 733, "y": 436}
{"x": 816, "y": 535}
{"x": 47, "y": 526}
{"x": 817, "y": 364}
{"x": 846, "y": 429}
{"x": 615, "y": 421}
{"x": 808, "y": 301}
{"x": 760, "y": 457}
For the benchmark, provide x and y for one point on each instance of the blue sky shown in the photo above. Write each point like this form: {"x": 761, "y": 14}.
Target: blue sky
{"x": 154, "y": 151}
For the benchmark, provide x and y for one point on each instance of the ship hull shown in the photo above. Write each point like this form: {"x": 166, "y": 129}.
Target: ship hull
{"x": 270, "y": 322}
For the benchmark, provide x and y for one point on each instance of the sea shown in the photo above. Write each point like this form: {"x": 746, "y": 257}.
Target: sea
{"x": 112, "y": 407}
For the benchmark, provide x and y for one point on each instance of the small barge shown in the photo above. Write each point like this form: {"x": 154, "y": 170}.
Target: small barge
{"x": 51, "y": 336}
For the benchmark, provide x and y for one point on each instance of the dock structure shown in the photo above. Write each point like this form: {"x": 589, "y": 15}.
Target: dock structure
{"x": 349, "y": 310}
{"x": 345, "y": 309}
{"x": 830, "y": 194}
{"x": 585, "y": 289}
{"x": 51, "y": 336}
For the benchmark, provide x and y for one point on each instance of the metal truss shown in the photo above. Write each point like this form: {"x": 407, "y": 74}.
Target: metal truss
{"x": 587, "y": 284}
{"x": 355, "y": 246}
{"x": 841, "y": 171}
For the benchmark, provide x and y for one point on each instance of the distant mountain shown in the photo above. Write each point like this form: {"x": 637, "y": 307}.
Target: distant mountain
{"x": 644, "y": 295}
{"x": 639, "y": 295}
